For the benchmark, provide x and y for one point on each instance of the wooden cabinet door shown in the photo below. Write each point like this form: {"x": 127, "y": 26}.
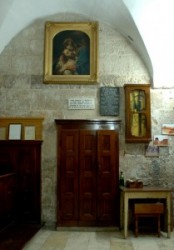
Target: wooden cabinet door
{"x": 7, "y": 199}
{"x": 87, "y": 177}
{"x": 23, "y": 158}
{"x": 28, "y": 182}
{"x": 107, "y": 176}
{"x": 69, "y": 164}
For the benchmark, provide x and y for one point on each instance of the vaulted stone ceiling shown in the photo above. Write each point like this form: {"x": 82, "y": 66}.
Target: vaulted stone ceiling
{"x": 148, "y": 24}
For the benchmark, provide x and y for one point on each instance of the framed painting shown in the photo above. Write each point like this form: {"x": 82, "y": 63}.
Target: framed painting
{"x": 71, "y": 51}
{"x": 161, "y": 140}
{"x": 167, "y": 129}
{"x": 29, "y": 133}
{"x": 15, "y": 131}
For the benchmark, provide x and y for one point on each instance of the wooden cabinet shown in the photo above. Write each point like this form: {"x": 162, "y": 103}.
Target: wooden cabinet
{"x": 88, "y": 167}
{"x": 24, "y": 159}
{"x": 137, "y": 113}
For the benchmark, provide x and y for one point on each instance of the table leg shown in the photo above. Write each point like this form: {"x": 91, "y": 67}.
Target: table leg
{"x": 125, "y": 215}
{"x": 121, "y": 210}
{"x": 168, "y": 215}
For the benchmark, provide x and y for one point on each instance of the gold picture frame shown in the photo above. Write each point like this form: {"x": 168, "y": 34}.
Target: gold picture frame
{"x": 68, "y": 47}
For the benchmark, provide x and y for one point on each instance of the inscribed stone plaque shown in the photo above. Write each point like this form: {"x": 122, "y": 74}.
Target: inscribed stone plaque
{"x": 109, "y": 101}
{"x": 81, "y": 103}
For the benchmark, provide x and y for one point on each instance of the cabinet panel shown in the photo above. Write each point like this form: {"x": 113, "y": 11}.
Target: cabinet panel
{"x": 7, "y": 199}
{"x": 28, "y": 177}
{"x": 68, "y": 175}
{"x": 87, "y": 175}
{"x": 7, "y": 159}
{"x": 24, "y": 159}
{"x": 107, "y": 174}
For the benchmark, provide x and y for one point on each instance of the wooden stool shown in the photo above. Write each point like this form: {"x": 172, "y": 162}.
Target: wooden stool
{"x": 148, "y": 210}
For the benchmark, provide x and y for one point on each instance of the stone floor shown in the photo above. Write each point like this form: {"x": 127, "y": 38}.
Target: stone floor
{"x": 84, "y": 239}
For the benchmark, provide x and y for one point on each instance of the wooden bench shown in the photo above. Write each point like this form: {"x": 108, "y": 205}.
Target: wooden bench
{"x": 148, "y": 210}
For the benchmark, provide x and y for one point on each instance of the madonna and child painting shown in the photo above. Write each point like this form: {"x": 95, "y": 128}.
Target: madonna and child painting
{"x": 71, "y": 53}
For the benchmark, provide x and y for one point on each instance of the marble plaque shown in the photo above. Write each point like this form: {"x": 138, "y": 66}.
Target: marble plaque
{"x": 109, "y": 101}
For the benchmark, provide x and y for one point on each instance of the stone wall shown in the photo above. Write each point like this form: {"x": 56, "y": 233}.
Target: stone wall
{"x": 23, "y": 93}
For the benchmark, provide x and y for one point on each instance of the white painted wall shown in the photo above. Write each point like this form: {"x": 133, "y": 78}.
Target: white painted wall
{"x": 155, "y": 19}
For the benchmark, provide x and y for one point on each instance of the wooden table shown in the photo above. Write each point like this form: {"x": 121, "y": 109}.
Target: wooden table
{"x": 143, "y": 193}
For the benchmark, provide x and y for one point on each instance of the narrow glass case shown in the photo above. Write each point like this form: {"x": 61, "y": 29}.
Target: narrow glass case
{"x": 137, "y": 113}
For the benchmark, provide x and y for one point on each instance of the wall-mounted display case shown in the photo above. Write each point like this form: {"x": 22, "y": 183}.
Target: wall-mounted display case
{"x": 137, "y": 113}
